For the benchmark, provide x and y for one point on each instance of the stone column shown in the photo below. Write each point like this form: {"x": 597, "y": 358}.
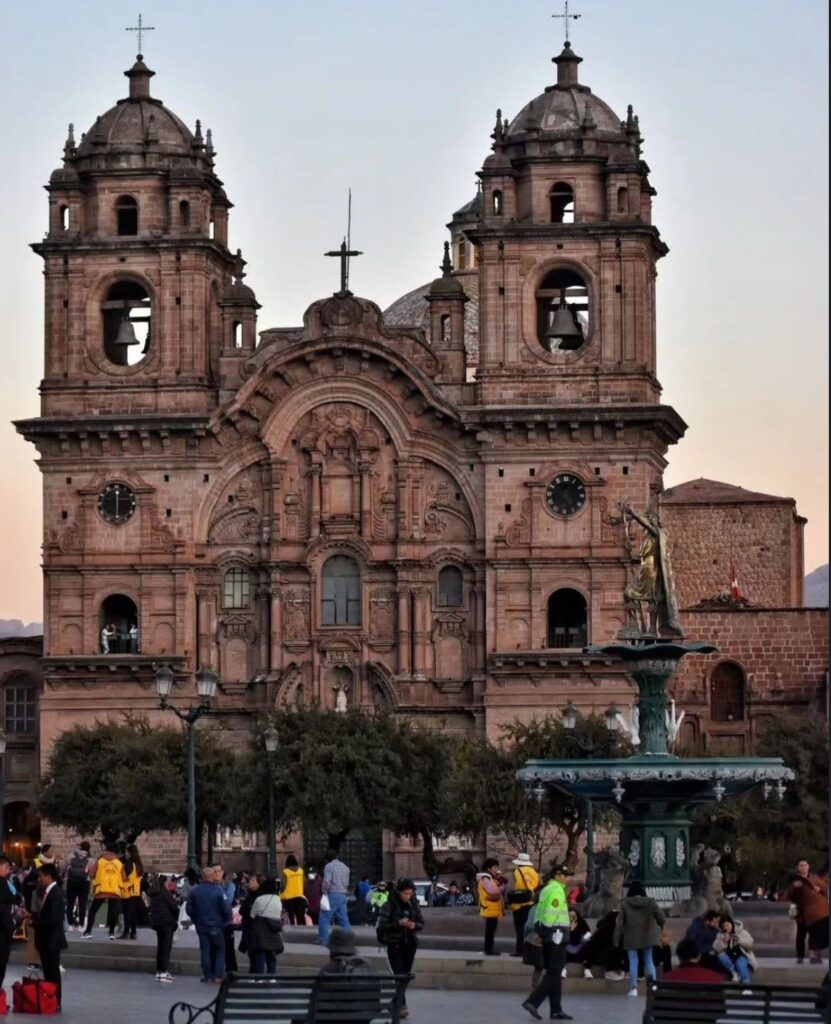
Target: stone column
{"x": 419, "y": 634}
{"x": 275, "y": 661}
{"x": 316, "y": 501}
{"x": 404, "y": 631}
{"x": 203, "y": 641}
{"x": 479, "y": 626}
{"x": 366, "y": 501}
{"x": 263, "y": 594}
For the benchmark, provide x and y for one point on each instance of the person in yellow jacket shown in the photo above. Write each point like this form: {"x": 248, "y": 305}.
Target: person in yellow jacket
{"x": 553, "y": 927}
{"x": 491, "y": 893}
{"x": 521, "y": 896}
{"x": 106, "y": 888}
{"x": 291, "y": 891}
{"x": 131, "y": 872}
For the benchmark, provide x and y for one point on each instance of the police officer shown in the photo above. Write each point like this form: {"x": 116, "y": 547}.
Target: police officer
{"x": 553, "y": 927}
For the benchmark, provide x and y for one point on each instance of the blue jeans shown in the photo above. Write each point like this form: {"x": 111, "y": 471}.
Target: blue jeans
{"x": 740, "y": 965}
{"x": 648, "y": 965}
{"x": 212, "y": 953}
{"x": 335, "y": 915}
{"x": 264, "y": 962}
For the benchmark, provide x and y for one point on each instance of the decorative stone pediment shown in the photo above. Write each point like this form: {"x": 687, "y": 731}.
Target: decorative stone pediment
{"x": 341, "y": 650}
{"x": 236, "y": 526}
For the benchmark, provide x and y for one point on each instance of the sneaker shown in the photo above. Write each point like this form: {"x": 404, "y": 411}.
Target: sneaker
{"x": 747, "y": 991}
{"x": 587, "y": 973}
{"x": 158, "y": 977}
{"x": 633, "y": 992}
{"x": 86, "y": 935}
{"x": 169, "y": 976}
{"x": 111, "y": 937}
{"x": 734, "y": 977}
{"x": 61, "y": 968}
{"x": 614, "y": 975}
{"x": 166, "y": 978}
{"x": 564, "y": 973}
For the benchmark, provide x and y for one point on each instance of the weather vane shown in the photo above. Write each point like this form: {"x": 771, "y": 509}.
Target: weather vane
{"x": 151, "y": 28}
{"x": 566, "y": 17}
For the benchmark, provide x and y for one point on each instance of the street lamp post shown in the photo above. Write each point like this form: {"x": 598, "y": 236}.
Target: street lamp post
{"x": 271, "y": 739}
{"x": 2, "y": 792}
{"x": 206, "y": 681}
{"x": 589, "y": 747}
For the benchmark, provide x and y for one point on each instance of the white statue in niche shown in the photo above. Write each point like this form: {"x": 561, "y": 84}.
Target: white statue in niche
{"x": 341, "y": 698}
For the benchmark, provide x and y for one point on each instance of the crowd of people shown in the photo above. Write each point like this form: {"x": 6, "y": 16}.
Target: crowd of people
{"x": 246, "y": 914}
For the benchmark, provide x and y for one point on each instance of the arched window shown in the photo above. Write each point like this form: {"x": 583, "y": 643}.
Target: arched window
{"x": 563, "y": 314}
{"x": 497, "y": 203}
{"x": 236, "y": 588}
{"x": 567, "y": 619}
{"x": 184, "y": 214}
{"x": 451, "y": 589}
{"x": 126, "y": 214}
{"x": 237, "y": 334}
{"x": 126, "y": 316}
{"x": 21, "y": 695}
{"x": 461, "y": 262}
{"x": 445, "y": 328}
{"x": 212, "y": 228}
{"x": 623, "y": 199}
{"x": 727, "y": 693}
{"x": 341, "y": 592}
{"x": 562, "y": 203}
{"x": 118, "y": 625}
{"x": 63, "y": 218}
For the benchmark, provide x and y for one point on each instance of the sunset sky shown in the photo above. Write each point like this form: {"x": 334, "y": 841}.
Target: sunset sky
{"x": 397, "y": 100}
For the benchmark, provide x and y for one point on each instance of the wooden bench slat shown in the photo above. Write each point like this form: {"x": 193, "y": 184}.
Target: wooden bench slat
{"x": 684, "y": 1003}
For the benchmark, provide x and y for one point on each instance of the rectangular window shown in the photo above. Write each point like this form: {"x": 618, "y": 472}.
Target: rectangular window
{"x": 236, "y": 589}
{"x": 20, "y": 709}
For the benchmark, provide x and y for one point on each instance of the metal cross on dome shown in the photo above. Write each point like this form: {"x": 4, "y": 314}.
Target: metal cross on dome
{"x": 151, "y": 28}
{"x": 566, "y": 17}
{"x": 345, "y": 251}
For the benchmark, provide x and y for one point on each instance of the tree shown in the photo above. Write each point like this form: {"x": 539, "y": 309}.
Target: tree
{"x": 121, "y": 778}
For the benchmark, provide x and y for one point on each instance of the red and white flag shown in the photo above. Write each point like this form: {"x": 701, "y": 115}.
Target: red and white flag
{"x": 735, "y": 592}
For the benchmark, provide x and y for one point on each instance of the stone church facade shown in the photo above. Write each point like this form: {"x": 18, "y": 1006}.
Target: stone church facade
{"x": 414, "y": 510}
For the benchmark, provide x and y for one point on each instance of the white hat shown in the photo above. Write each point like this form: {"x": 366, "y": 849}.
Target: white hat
{"x": 522, "y": 861}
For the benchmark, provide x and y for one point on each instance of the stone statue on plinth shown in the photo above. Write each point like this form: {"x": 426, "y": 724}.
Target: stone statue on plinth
{"x": 653, "y": 585}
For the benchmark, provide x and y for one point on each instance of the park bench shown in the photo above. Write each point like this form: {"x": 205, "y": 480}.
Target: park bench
{"x": 299, "y": 999}
{"x": 673, "y": 1002}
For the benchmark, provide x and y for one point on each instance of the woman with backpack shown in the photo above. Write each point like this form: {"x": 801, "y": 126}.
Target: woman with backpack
{"x": 398, "y": 926}
{"x": 77, "y": 886}
{"x": 131, "y": 872}
{"x": 106, "y": 889}
{"x": 638, "y": 929}
{"x": 265, "y": 942}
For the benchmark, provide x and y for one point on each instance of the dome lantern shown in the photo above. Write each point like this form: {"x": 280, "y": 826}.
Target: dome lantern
{"x": 567, "y": 63}
{"x": 139, "y": 75}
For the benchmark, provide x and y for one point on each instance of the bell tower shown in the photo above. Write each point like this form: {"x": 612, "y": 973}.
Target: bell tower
{"x": 138, "y": 275}
{"x": 567, "y": 253}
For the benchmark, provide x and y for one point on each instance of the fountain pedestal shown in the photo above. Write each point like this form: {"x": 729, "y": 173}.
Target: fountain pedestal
{"x": 655, "y": 790}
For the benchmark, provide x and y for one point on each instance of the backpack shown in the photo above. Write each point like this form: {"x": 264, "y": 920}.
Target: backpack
{"x": 108, "y": 876}
{"x": 77, "y": 870}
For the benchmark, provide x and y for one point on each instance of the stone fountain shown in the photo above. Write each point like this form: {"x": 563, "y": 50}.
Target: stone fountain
{"x": 655, "y": 791}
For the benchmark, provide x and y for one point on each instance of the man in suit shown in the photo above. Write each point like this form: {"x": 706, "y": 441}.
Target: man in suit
{"x": 48, "y": 922}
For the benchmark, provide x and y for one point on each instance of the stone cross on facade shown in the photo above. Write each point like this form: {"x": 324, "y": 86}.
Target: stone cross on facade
{"x": 344, "y": 253}
{"x": 567, "y": 17}
{"x": 151, "y": 28}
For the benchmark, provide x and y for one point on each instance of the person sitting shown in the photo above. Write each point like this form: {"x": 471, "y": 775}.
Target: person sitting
{"x": 602, "y": 951}
{"x": 579, "y": 934}
{"x": 733, "y": 948}
{"x": 689, "y": 967}
{"x": 703, "y": 931}
{"x": 344, "y": 960}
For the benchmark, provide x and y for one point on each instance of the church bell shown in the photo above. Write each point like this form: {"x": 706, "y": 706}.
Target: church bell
{"x": 564, "y": 329}
{"x": 126, "y": 333}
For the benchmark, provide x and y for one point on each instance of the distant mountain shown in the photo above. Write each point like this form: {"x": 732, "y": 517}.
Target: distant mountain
{"x": 14, "y": 627}
{"x": 816, "y": 588}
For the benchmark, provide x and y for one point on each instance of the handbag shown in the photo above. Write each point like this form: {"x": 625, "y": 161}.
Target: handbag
{"x": 324, "y": 902}
{"x": 29, "y": 996}
{"x": 520, "y": 895}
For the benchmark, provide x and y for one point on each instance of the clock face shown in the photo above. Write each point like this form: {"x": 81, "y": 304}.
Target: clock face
{"x": 565, "y": 495}
{"x": 116, "y": 503}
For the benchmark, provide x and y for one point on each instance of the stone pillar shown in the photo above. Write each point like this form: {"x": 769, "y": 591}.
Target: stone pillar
{"x": 404, "y": 627}
{"x": 263, "y": 594}
{"x": 479, "y": 627}
{"x": 203, "y": 641}
{"x": 366, "y": 501}
{"x": 419, "y": 632}
{"x": 316, "y": 501}
{"x": 275, "y": 661}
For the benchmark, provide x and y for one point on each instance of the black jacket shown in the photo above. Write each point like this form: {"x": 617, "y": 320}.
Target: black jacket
{"x": 395, "y": 910}
{"x": 8, "y": 901}
{"x": 164, "y": 910}
{"x": 49, "y": 933}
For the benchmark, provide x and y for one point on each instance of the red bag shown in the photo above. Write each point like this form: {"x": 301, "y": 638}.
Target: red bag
{"x": 30, "y": 996}
{"x": 4, "y": 1006}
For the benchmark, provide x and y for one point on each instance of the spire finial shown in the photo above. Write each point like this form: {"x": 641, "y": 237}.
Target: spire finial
{"x": 630, "y": 120}
{"x": 69, "y": 145}
{"x": 498, "y": 128}
{"x": 446, "y": 264}
{"x": 566, "y": 16}
{"x": 140, "y": 29}
{"x": 239, "y": 266}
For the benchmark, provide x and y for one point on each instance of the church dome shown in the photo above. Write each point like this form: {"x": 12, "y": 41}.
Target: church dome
{"x": 567, "y": 106}
{"x": 413, "y": 309}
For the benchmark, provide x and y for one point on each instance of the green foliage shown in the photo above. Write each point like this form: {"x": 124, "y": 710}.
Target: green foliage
{"x": 769, "y": 836}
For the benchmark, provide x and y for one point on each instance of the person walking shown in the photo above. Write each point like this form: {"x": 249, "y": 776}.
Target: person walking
{"x": 810, "y": 894}
{"x": 521, "y": 897}
{"x": 291, "y": 891}
{"x": 398, "y": 926}
{"x": 552, "y": 925}
{"x": 336, "y": 889}
{"x": 266, "y": 926}
{"x": 131, "y": 871}
{"x": 9, "y": 901}
{"x": 48, "y": 922}
{"x": 491, "y": 897}
{"x": 77, "y": 886}
{"x": 164, "y": 920}
{"x": 733, "y": 948}
{"x": 106, "y": 889}
{"x": 210, "y": 913}
{"x": 638, "y": 929}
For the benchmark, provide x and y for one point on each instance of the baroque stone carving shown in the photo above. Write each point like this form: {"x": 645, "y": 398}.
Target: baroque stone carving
{"x": 381, "y": 615}
{"x": 236, "y": 526}
{"x": 519, "y": 532}
{"x": 296, "y": 626}
{"x": 658, "y": 851}
{"x": 237, "y": 626}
